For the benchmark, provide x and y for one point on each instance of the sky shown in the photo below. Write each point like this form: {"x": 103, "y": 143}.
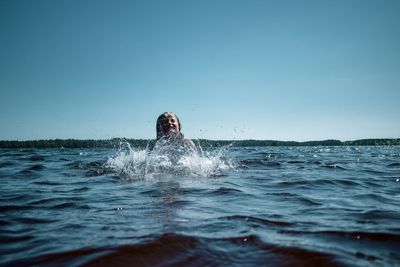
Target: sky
{"x": 230, "y": 69}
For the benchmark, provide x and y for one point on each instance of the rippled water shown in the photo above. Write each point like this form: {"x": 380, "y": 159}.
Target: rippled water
{"x": 249, "y": 206}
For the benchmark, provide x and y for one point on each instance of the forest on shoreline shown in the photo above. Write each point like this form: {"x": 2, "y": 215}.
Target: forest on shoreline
{"x": 142, "y": 143}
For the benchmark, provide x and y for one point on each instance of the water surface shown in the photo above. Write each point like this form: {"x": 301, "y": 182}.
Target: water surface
{"x": 247, "y": 206}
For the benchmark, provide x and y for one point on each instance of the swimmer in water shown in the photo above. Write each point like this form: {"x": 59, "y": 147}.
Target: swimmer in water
{"x": 168, "y": 128}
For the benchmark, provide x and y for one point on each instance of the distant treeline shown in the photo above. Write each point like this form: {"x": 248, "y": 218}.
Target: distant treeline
{"x": 142, "y": 143}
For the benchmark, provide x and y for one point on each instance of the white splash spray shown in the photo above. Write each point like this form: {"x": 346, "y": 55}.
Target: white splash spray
{"x": 134, "y": 163}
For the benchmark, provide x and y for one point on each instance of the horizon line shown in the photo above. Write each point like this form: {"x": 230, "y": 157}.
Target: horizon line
{"x": 207, "y": 139}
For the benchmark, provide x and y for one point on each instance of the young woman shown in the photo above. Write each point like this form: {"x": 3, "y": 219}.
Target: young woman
{"x": 168, "y": 129}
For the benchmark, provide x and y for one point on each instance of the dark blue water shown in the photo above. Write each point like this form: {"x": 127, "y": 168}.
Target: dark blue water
{"x": 269, "y": 206}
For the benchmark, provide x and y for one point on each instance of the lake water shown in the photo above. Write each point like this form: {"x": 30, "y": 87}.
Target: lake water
{"x": 232, "y": 206}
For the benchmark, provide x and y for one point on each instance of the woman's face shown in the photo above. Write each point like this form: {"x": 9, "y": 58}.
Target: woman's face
{"x": 169, "y": 124}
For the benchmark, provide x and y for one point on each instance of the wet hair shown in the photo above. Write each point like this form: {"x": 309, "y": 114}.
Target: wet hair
{"x": 160, "y": 122}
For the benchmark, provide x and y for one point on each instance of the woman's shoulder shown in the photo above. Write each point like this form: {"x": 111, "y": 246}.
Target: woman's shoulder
{"x": 189, "y": 143}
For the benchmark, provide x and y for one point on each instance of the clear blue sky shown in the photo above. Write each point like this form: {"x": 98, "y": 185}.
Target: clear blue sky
{"x": 283, "y": 70}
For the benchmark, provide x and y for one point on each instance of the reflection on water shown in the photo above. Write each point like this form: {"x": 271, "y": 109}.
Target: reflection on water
{"x": 168, "y": 196}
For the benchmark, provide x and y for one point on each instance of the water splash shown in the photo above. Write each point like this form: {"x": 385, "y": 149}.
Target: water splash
{"x": 165, "y": 160}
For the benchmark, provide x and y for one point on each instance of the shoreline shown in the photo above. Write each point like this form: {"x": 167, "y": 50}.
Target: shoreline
{"x": 116, "y": 142}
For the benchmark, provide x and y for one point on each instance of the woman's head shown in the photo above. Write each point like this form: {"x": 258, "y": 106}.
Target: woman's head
{"x": 167, "y": 123}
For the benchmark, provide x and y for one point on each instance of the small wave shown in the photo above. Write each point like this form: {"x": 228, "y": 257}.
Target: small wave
{"x": 36, "y": 158}
{"x": 72, "y": 226}
{"x": 79, "y": 164}
{"x": 51, "y": 200}
{"x": 333, "y": 166}
{"x": 37, "y": 167}
{"x": 5, "y": 164}
{"x": 346, "y": 182}
{"x": 375, "y": 171}
{"x": 64, "y": 205}
{"x": 361, "y": 255}
{"x": 379, "y": 215}
{"x": 371, "y": 236}
{"x": 259, "y": 162}
{"x": 79, "y": 190}
{"x": 284, "y": 194}
{"x": 66, "y": 174}
{"x": 46, "y": 182}
{"x": 172, "y": 249}
{"x": 15, "y": 198}
{"x": 308, "y": 202}
{"x": 69, "y": 205}
{"x": 14, "y": 239}
{"x": 295, "y": 184}
{"x": 253, "y": 219}
{"x": 395, "y": 164}
{"x": 93, "y": 168}
{"x": 298, "y": 198}
{"x": 269, "y": 154}
{"x": 132, "y": 163}
{"x": 372, "y": 196}
{"x": 296, "y": 162}
{"x": 27, "y": 220}
{"x": 6, "y": 208}
{"x": 226, "y": 191}
{"x": 96, "y": 172}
